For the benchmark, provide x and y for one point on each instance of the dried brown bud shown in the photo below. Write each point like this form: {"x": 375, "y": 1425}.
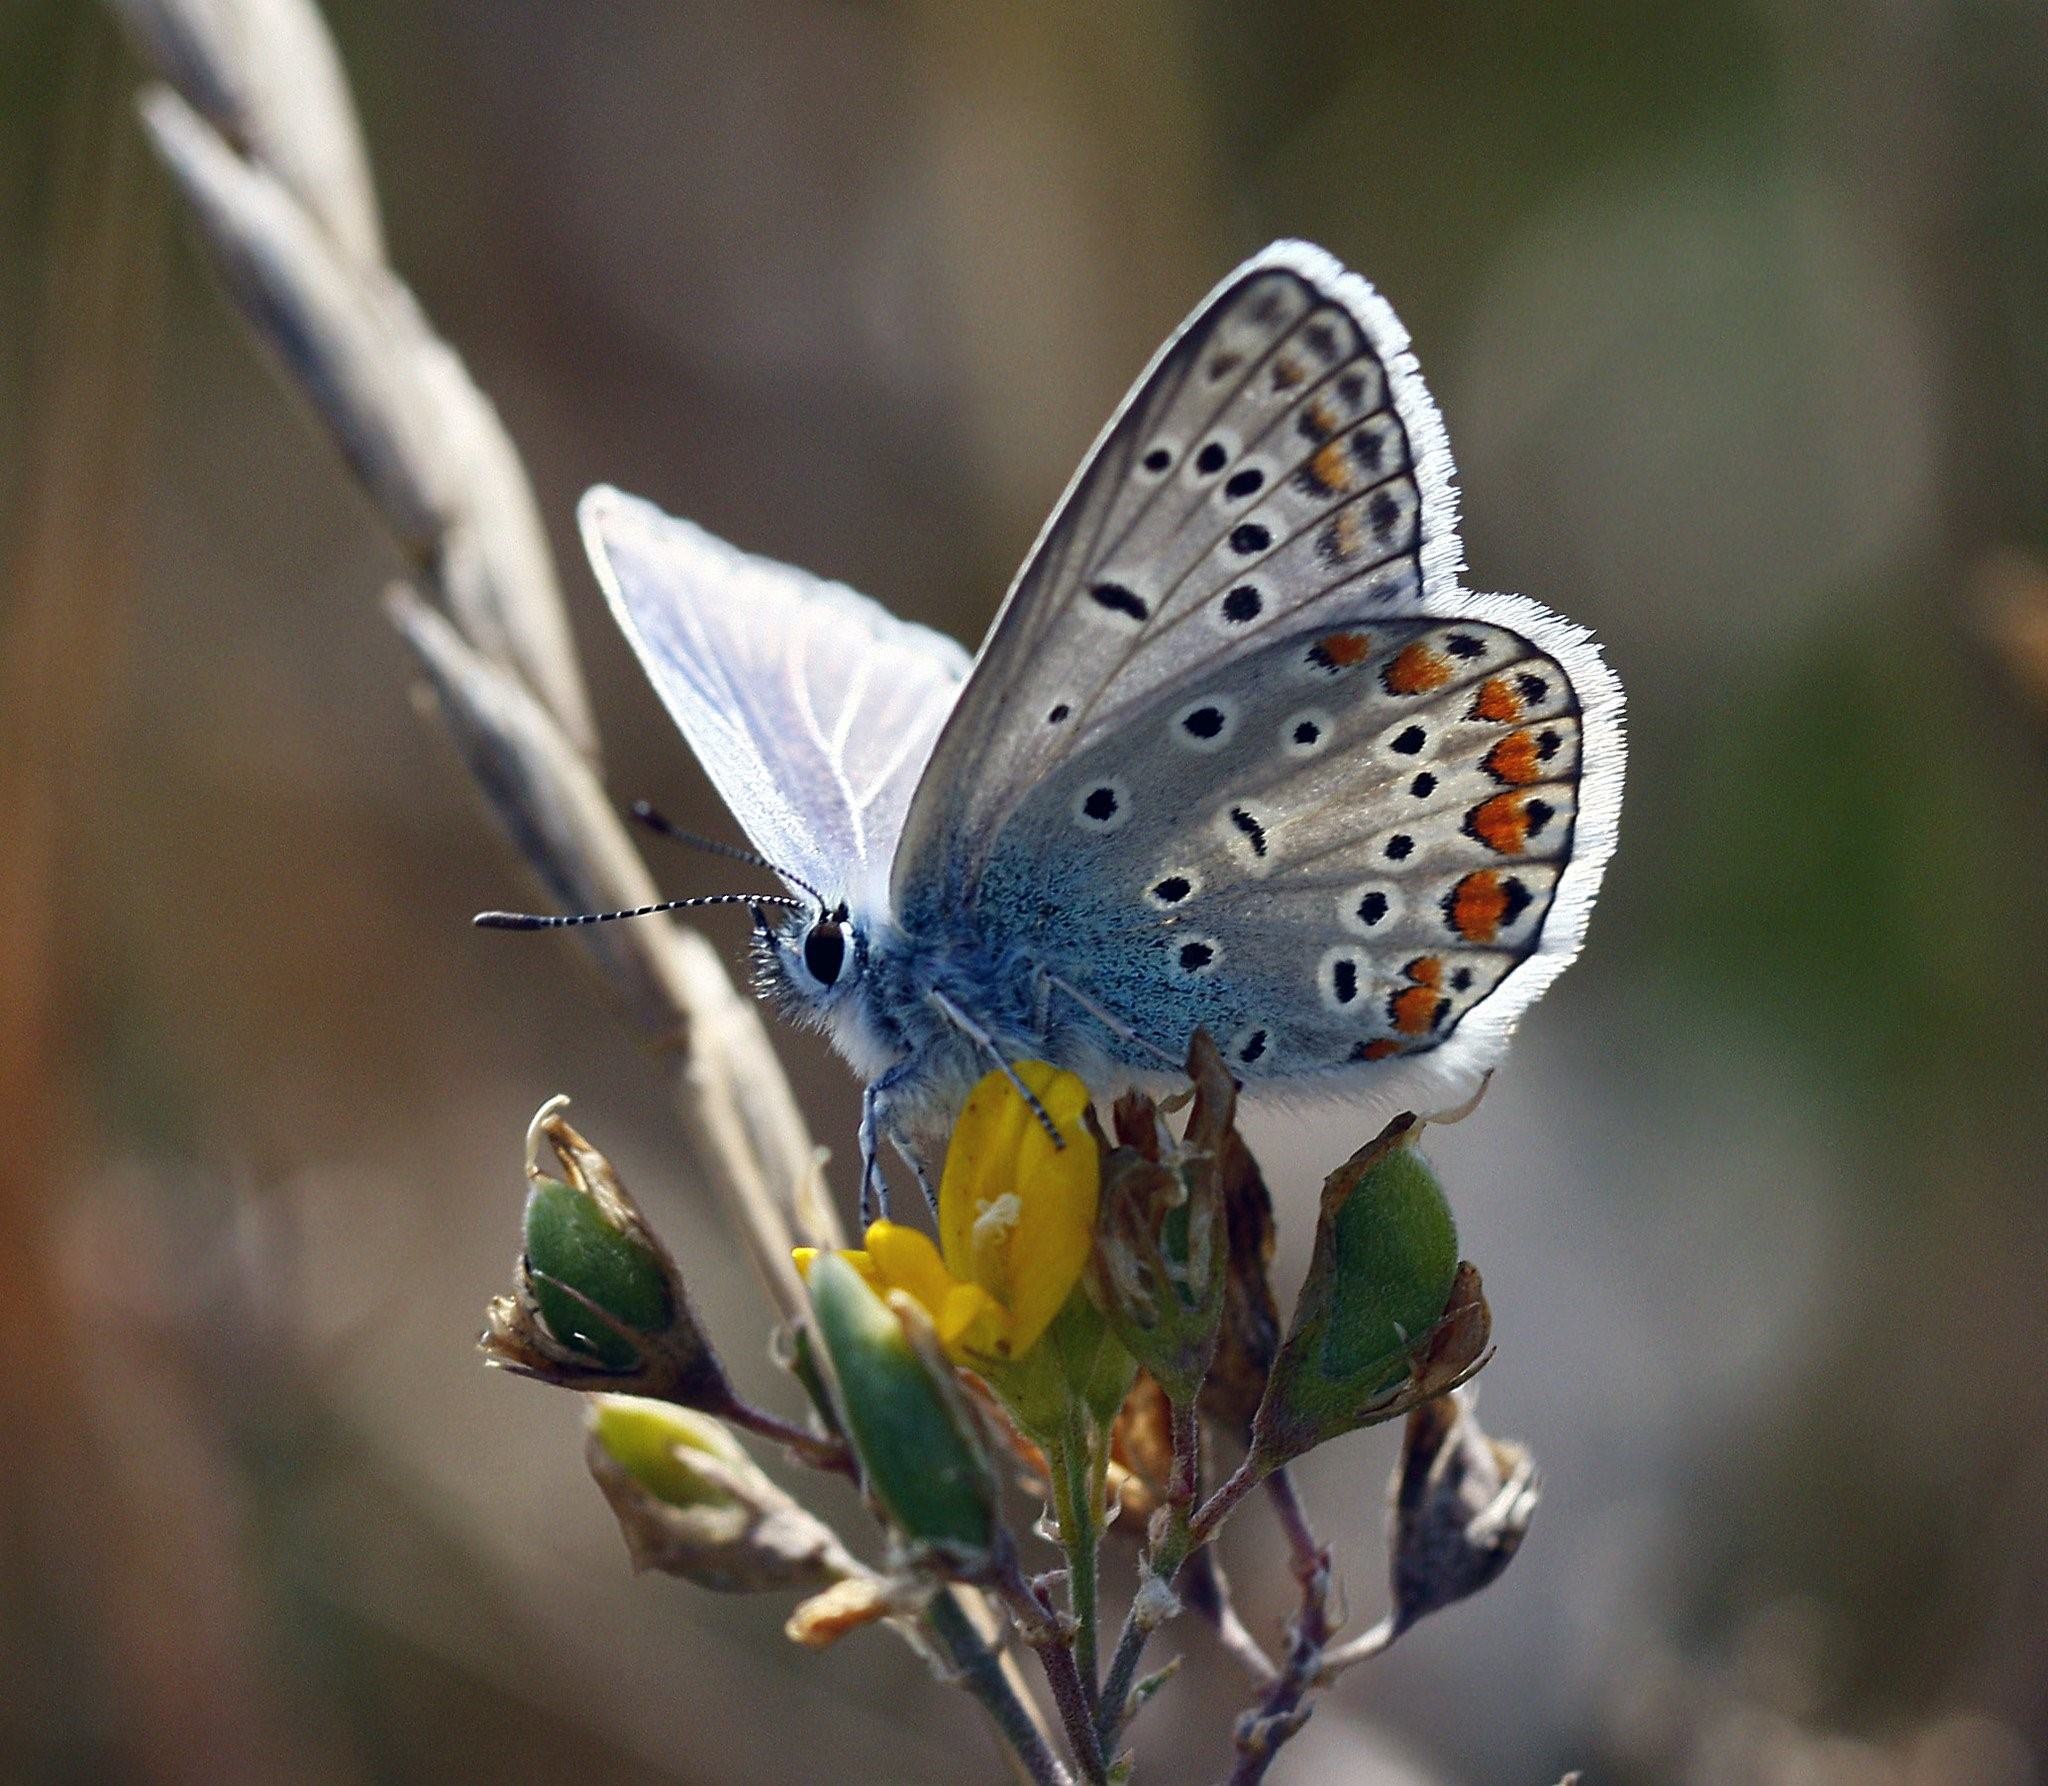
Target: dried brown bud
{"x": 1462, "y": 1503}
{"x": 1250, "y": 1335}
{"x": 1163, "y": 1258}
{"x": 845, "y": 1606}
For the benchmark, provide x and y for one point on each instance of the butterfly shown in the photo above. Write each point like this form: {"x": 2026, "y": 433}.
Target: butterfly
{"x": 1239, "y": 752}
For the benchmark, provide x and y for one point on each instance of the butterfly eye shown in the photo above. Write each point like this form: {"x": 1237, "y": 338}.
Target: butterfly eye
{"x": 825, "y": 951}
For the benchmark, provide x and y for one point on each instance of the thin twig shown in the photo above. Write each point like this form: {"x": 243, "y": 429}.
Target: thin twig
{"x": 1041, "y": 1627}
{"x": 1362, "y": 1648}
{"x": 806, "y": 1447}
{"x": 1154, "y": 1602}
{"x": 981, "y": 1672}
{"x": 1283, "y": 1708}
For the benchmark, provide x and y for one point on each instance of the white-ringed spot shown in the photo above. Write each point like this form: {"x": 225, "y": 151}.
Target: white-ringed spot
{"x": 1306, "y": 733}
{"x": 1101, "y": 806}
{"x": 1368, "y": 909}
{"x": 1252, "y": 1046}
{"x": 1205, "y": 725}
{"x": 1341, "y": 978}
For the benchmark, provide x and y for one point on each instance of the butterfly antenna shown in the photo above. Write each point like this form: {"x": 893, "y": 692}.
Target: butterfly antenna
{"x": 545, "y": 921}
{"x": 646, "y": 814}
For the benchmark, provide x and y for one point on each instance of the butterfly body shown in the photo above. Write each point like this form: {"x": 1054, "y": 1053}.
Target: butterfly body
{"x": 1240, "y": 752}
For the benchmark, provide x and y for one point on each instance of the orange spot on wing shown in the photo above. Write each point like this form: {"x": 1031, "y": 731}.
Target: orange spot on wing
{"x": 1346, "y": 649}
{"x": 1500, "y": 824}
{"x": 1287, "y": 374}
{"x": 1417, "y": 671}
{"x": 1478, "y": 903}
{"x": 1497, "y": 701}
{"x": 1418, "y": 1009}
{"x": 1331, "y": 467}
{"x": 1319, "y": 418}
{"x": 1514, "y": 760}
{"x": 1380, "y": 1049}
{"x": 1414, "y": 1010}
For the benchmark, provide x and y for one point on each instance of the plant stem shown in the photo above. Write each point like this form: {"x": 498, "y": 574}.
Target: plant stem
{"x": 1152, "y": 1606}
{"x": 1040, "y": 1627}
{"x": 1075, "y": 1480}
{"x": 1362, "y": 1648}
{"x": 981, "y": 1673}
{"x": 806, "y": 1447}
{"x": 1282, "y": 1710}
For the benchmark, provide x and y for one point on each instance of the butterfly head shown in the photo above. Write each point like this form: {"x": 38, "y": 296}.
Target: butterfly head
{"x": 808, "y": 960}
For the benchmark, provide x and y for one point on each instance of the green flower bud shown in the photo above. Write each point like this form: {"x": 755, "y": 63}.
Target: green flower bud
{"x": 583, "y": 1269}
{"x": 1387, "y": 1315}
{"x": 1396, "y": 1252}
{"x": 903, "y": 1412}
{"x": 596, "y": 1300}
{"x": 690, "y": 1502}
{"x": 661, "y": 1447}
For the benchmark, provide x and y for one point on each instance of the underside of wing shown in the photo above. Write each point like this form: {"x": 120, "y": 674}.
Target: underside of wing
{"x": 1277, "y": 485}
{"x": 812, "y": 708}
{"x": 1342, "y": 856}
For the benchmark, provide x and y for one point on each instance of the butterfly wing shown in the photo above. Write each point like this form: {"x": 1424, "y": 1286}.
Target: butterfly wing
{"x": 1239, "y": 662}
{"x": 812, "y": 708}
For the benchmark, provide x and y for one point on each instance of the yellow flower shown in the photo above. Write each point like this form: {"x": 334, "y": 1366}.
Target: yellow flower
{"x": 1016, "y": 1220}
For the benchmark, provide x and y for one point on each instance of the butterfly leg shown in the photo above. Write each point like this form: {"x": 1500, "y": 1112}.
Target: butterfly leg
{"x": 874, "y": 1189}
{"x": 874, "y": 1124}
{"x": 987, "y": 1044}
{"x": 915, "y": 1161}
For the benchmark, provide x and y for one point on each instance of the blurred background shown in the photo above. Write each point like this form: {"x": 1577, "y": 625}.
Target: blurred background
{"x": 1738, "y": 313}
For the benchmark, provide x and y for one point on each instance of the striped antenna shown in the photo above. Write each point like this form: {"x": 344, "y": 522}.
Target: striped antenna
{"x": 645, "y": 813}
{"x": 545, "y": 921}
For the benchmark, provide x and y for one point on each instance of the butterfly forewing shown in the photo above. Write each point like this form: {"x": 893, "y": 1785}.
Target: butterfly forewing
{"x": 1241, "y": 752}
{"x": 811, "y": 708}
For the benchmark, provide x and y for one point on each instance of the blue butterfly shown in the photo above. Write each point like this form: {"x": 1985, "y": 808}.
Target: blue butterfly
{"x": 1239, "y": 752}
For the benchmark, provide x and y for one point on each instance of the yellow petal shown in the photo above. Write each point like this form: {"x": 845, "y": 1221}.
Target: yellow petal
{"x": 905, "y": 1259}
{"x": 1003, "y": 1164}
{"x": 1055, "y": 1230}
{"x": 805, "y": 1256}
{"x": 972, "y": 1323}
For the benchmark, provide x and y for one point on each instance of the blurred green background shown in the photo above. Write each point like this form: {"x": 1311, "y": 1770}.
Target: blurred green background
{"x": 1738, "y": 313}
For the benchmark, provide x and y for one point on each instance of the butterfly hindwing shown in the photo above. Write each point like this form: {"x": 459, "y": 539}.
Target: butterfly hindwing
{"x": 1239, "y": 660}
{"x": 1326, "y": 855}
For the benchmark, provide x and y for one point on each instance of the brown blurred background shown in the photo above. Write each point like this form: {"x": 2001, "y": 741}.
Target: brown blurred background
{"x": 1738, "y": 313}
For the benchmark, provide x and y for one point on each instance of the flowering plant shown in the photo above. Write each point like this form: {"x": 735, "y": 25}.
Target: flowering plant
{"x": 1089, "y": 1322}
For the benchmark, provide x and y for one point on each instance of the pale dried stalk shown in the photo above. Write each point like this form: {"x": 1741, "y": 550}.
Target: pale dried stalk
{"x": 261, "y": 138}
{"x": 257, "y": 128}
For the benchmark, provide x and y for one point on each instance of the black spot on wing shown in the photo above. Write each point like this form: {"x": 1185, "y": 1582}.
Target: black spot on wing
{"x": 1119, "y": 600}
